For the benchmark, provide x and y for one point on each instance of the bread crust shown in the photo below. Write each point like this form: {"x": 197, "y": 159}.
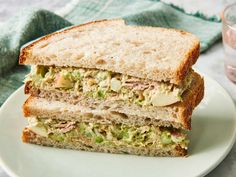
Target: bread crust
{"x": 193, "y": 100}
{"x": 30, "y": 137}
{"x": 174, "y": 75}
{"x": 191, "y": 59}
{"x": 26, "y": 108}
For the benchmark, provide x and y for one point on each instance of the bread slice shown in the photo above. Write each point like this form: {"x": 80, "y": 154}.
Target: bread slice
{"x": 177, "y": 115}
{"x": 30, "y": 137}
{"x": 40, "y": 107}
{"x": 147, "y": 52}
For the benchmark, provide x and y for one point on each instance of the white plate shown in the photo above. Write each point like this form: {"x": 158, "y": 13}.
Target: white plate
{"x": 212, "y": 136}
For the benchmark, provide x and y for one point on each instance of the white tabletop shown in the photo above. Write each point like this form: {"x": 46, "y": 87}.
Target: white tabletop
{"x": 210, "y": 63}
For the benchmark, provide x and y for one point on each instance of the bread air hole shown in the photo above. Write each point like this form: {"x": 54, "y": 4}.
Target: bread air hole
{"x": 48, "y": 59}
{"x": 116, "y": 43}
{"x": 106, "y": 107}
{"x": 146, "y": 52}
{"x": 53, "y": 56}
{"x": 100, "y": 62}
{"x": 174, "y": 115}
{"x": 147, "y": 120}
{"x": 67, "y": 55}
{"x": 75, "y": 96}
{"x": 88, "y": 115}
{"x": 122, "y": 115}
{"x": 79, "y": 56}
{"x": 97, "y": 117}
{"x": 89, "y": 147}
{"x": 92, "y": 107}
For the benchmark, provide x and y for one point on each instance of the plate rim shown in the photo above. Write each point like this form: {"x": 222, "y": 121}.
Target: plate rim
{"x": 233, "y": 138}
{"x": 11, "y": 172}
{"x": 4, "y": 166}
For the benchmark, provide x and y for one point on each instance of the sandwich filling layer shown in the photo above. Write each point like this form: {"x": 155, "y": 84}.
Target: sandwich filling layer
{"x": 108, "y": 135}
{"x": 101, "y": 84}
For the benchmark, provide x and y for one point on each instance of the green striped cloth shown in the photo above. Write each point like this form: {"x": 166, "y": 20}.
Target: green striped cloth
{"x": 32, "y": 23}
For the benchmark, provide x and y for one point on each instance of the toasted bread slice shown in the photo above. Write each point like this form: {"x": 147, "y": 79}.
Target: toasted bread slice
{"x": 147, "y": 52}
{"x": 59, "y": 103}
{"x": 30, "y": 137}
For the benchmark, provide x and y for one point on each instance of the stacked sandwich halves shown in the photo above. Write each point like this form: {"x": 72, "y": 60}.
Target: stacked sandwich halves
{"x": 109, "y": 87}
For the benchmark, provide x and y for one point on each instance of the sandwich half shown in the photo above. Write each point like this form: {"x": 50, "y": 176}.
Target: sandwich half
{"x": 142, "y": 65}
{"x": 110, "y": 87}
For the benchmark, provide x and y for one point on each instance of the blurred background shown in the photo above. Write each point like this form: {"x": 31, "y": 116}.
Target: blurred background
{"x": 9, "y": 8}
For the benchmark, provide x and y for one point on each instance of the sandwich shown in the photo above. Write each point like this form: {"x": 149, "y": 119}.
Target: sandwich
{"x": 109, "y": 87}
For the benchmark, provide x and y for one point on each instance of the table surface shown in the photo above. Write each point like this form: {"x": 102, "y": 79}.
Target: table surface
{"x": 210, "y": 63}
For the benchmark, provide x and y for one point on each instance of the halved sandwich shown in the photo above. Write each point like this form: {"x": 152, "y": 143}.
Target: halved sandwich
{"x": 142, "y": 74}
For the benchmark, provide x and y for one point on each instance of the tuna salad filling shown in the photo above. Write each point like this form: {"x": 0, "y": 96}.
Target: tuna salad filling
{"x": 101, "y": 84}
{"x": 108, "y": 135}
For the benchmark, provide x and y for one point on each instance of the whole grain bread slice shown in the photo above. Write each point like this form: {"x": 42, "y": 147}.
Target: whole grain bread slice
{"x": 42, "y": 108}
{"x": 30, "y": 137}
{"x": 178, "y": 114}
{"x": 153, "y": 53}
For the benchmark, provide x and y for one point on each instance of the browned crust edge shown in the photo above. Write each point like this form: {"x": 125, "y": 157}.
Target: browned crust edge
{"x": 25, "y": 107}
{"x": 30, "y": 137}
{"x": 191, "y": 59}
{"x": 193, "y": 100}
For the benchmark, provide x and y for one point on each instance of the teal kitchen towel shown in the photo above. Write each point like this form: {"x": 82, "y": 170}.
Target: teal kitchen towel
{"x": 152, "y": 13}
{"x": 31, "y": 24}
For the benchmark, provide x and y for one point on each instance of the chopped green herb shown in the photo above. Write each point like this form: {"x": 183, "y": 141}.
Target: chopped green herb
{"x": 98, "y": 139}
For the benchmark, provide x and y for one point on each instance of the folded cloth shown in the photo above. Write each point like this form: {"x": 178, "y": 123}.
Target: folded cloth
{"x": 31, "y": 24}
{"x": 151, "y": 13}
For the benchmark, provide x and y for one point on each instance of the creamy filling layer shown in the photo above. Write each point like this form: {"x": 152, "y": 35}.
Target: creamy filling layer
{"x": 108, "y": 135}
{"x": 101, "y": 84}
